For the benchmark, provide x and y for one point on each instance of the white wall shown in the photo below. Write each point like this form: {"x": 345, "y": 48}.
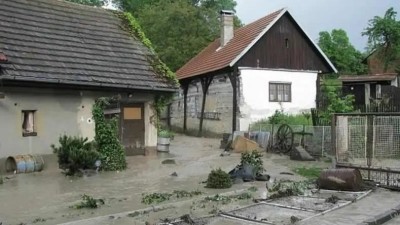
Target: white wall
{"x": 256, "y": 105}
{"x": 150, "y": 139}
{"x": 58, "y": 112}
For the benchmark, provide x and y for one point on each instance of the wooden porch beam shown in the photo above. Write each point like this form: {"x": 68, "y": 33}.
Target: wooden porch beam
{"x": 233, "y": 78}
{"x": 205, "y": 84}
{"x": 185, "y": 86}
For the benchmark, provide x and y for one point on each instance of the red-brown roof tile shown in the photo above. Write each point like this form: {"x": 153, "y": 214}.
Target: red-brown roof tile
{"x": 212, "y": 59}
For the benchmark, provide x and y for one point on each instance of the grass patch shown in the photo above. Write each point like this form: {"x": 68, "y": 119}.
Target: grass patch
{"x": 308, "y": 172}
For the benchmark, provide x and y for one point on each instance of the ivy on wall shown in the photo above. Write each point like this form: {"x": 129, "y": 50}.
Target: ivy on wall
{"x": 106, "y": 137}
{"x": 160, "y": 68}
{"x": 133, "y": 27}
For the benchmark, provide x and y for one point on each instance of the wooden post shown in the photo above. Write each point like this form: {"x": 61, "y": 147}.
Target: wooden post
{"x": 333, "y": 138}
{"x": 205, "y": 83}
{"x": 185, "y": 86}
{"x": 318, "y": 95}
{"x": 370, "y": 142}
{"x": 233, "y": 78}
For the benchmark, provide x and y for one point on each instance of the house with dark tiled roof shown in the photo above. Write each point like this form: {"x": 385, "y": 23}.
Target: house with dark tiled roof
{"x": 249, "y": 73}
{"x": 56, "y": 59}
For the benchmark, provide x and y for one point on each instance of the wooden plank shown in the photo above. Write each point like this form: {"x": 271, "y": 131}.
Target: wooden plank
{"x": 132, "y": 113}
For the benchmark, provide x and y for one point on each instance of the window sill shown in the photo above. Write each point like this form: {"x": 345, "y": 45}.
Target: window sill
{"x": 29, "y": 134}
{"x": 279, "y": 101}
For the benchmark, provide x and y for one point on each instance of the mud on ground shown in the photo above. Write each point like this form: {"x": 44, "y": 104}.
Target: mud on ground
{"x": 47, "y": 197}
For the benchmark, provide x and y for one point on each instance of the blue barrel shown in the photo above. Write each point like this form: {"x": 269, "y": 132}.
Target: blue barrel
{"x": 39, "y": 162}
{"x": 29, "y": 163}
{"x": 24, "y": 164}
{"x": 20, "y": 163}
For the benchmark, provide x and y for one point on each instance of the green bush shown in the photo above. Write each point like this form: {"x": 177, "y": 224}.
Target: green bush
{"x": 280, "y": 117}
{"x": 75, "y": 153}
{"x": 219, "y": 179}
{"x": 254, "y": 159}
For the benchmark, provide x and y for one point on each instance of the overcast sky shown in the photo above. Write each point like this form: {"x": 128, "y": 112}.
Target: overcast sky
{"x": 322, "y": 15}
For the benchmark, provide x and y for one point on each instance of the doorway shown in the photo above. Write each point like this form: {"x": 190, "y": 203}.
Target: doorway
{"x": 132, "y": 129}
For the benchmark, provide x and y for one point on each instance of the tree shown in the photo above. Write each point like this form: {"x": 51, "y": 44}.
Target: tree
{"x": 384, "y": 36}
{"x": 341, "y": 52}
{"x": 178, "y": 29}
{"x": 90, "y": 2}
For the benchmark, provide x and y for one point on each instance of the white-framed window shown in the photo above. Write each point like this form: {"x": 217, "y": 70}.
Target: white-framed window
{"x": 28, "y": 123}
{"x": 280, "y": 92}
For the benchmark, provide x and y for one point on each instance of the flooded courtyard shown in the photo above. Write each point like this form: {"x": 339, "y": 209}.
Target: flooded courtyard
{"x": 46, "y": 197}
{"x": 49, "y": 197}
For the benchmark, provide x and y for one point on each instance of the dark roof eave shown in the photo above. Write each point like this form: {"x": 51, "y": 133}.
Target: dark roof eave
{"x": 92, "y": 85}
{"x": 210, "y": 73}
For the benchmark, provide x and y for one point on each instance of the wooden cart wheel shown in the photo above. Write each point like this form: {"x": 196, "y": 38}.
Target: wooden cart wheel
{"x": 285, "y": 138}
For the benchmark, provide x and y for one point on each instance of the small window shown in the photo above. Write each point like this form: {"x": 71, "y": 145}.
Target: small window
{"x": 280, "y": 92}
{"x": 28, "y": 123}
{"x": 287, "y": 42}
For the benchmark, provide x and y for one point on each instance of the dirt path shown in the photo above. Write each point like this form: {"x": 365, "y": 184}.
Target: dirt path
{"x": 46, "y": 197}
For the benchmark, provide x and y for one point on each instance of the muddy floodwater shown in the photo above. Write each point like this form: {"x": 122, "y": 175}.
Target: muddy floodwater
{"x": 46, "y": 197}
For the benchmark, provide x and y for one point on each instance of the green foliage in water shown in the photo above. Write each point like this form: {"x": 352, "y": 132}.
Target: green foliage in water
{"x": 89, "y": 202}
{"x": 75, "y": 153}
{"x": 155, "y": 198}
{"x": 225, "y": 199}
{"x": 107, "y": 138}
{"x": 288, "y": 188}
{"x": 253, "y": 189}
{"x": 253, "y": 158}
{"x": 219, "y": 179}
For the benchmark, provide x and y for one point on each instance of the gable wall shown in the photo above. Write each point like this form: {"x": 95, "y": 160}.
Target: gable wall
{"x": 271, "y": 51}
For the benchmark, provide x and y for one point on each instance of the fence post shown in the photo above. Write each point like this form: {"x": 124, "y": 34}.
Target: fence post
{"x": 370, "y": 140}
{"x": 323, "y": 141}
{"x": 333, "y": 136}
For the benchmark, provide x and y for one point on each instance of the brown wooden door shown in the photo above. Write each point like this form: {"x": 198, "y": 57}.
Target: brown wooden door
{"x": 132, "y": 129}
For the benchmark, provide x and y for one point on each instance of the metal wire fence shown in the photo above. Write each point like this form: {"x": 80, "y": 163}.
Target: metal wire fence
{"x": 368, "y": 140}
{"x": 317, "y": 144}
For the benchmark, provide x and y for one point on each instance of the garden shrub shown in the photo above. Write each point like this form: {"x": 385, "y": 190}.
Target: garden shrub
{"x": 75, "y": 153}
{"x": 219, "y": 179}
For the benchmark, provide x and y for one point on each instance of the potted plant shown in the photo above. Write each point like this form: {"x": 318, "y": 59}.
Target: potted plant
{"x": 163, "y": 140}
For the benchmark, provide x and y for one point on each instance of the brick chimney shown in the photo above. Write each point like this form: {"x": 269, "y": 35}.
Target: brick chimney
{"x": 226, "y": 26}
